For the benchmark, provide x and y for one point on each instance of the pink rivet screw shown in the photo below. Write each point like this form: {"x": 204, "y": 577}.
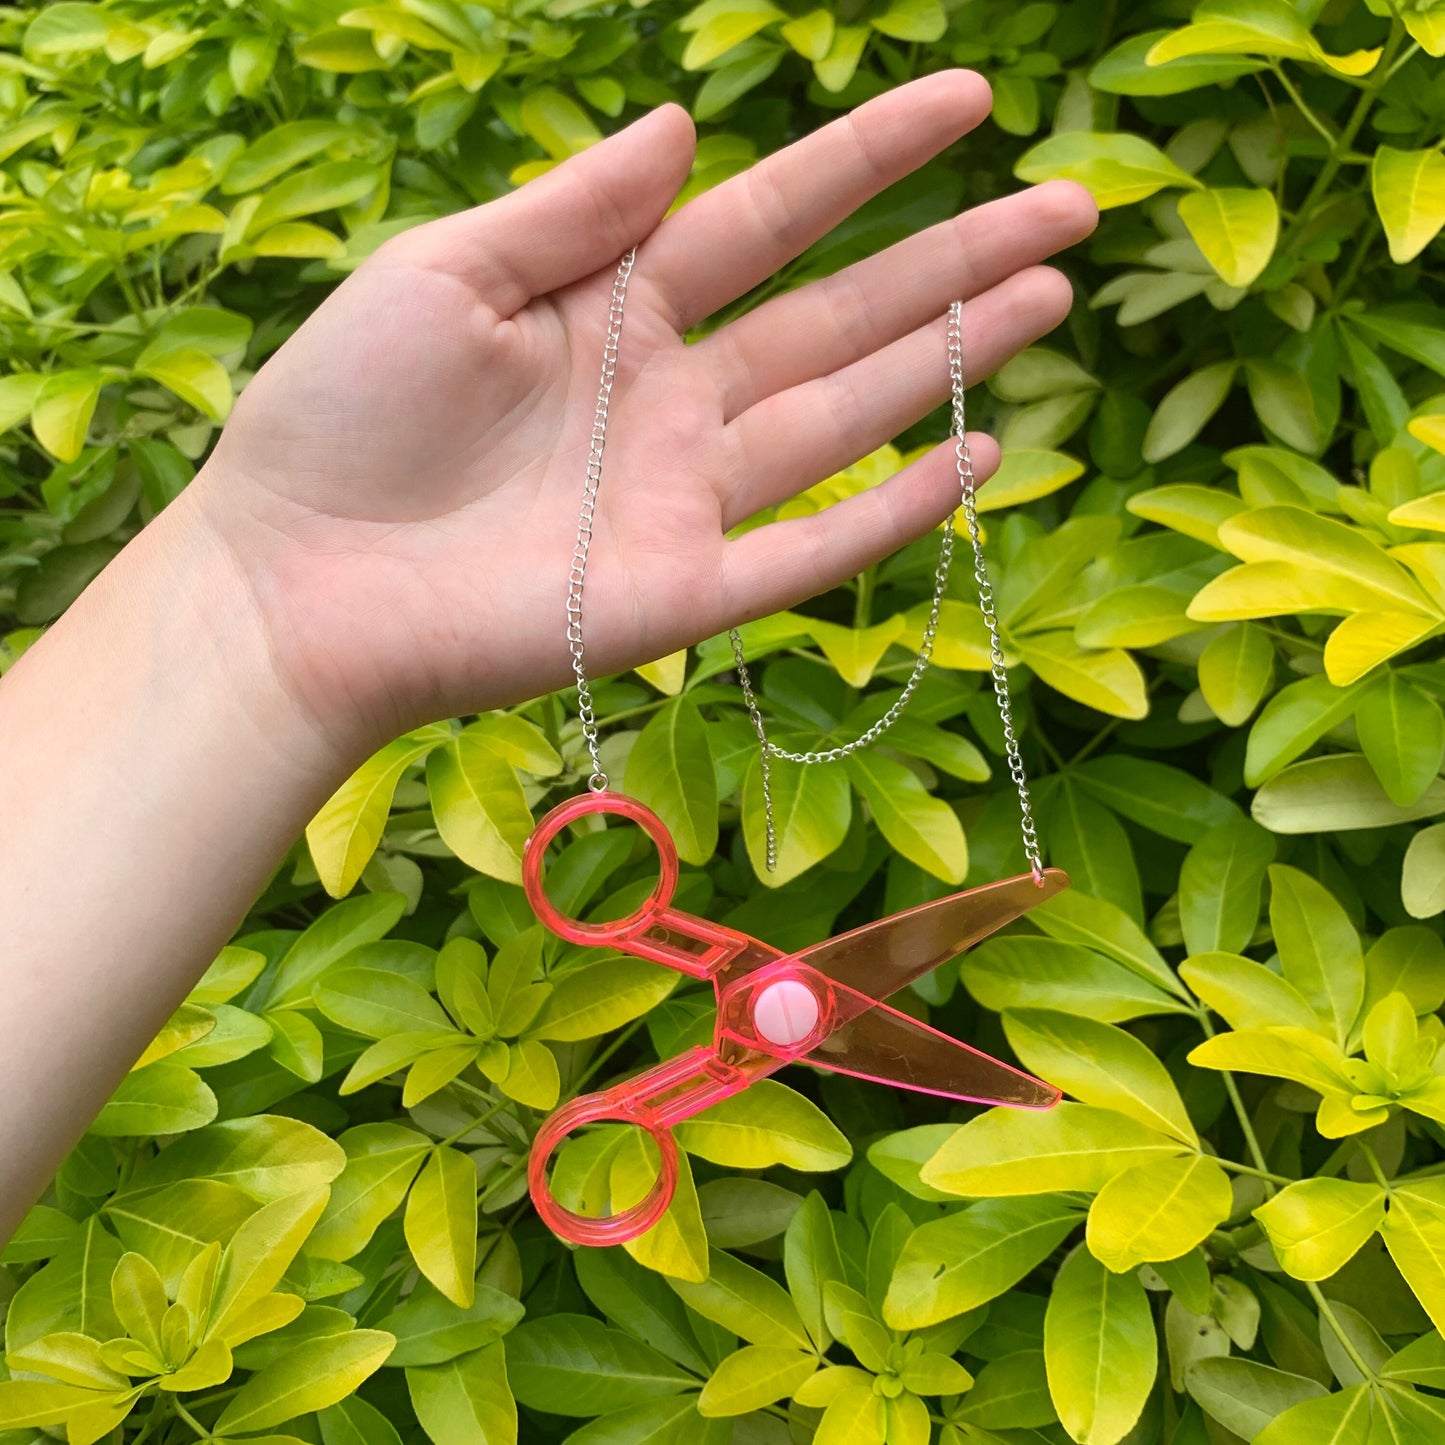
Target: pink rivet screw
{"x": 785, "y": 1012}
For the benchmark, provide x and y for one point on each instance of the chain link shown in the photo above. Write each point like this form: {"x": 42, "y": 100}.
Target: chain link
{"x": 767, "y": 748}
{"x": 598, "y": 781}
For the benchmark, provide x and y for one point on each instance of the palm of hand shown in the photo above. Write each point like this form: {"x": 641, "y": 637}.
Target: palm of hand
{"x": 402, "y": 479}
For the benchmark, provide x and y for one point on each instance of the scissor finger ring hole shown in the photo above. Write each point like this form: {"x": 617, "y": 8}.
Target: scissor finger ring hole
{"x": 606, "y": 1183}
{"x": 587, "y": 865}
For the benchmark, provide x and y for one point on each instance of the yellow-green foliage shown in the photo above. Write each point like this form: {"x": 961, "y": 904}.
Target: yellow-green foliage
{"x": 1221, "y": 582}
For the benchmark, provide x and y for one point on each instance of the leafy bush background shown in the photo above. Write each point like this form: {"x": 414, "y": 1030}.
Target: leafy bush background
{"x": 303, "y": 1217}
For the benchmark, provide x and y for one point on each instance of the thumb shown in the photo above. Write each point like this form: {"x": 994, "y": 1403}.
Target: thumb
{"x": 571, "y": 220}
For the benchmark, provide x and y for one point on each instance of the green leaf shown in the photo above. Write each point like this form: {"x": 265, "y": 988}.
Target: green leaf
{"x": 719, "y": 25}
{"x": 1292, "y": 534}
{"x": 1317, "y": 1225}
{"x": 1101, "y": 1065}
{"x": 377, "y": 1003}
{"x": 640, "y": 1303}
{"x": 764, "y": 1125}
{"x": 1235, "y": 228}
{"x": 676, "y": 1245}
{"x": 1408, "y": 960}
{"x": 1255, "y": 27}
{"x": 1158, "y": 1211}
{"x": 1010, "y": 1393}
{"x": 963, "y": 1260}
{"x": 1319, "y": 950}
{"x": 163, "y": 1098}
{"x": 1027, "y": 473}
{"x": 1107, "y": 680}
{"x": 1124, "y": 70}
{"x": 1071, "y": 1146}
{"x": 745, "y": 1301}
{"x": 1219, "y": 887}
{"x": 1283, "y": 1052}
{"x": 1074, "y": 917}
{"x": 1422, "y": 880}
{"x": 430, "y": 1329}
{"x": 1334, "y": 794}
{"x": 1118, "y": 168}
{"x": 62, "y": 409}
{"x": 918, "y": 20}
{"x": 601, "y": 997}
{"x": 1243, "y": 1395}
{"x": 269, "y": 1156}
{"x": 17, "y": 395}
{"x": 344, "y": 834}
{"x": 812, "y": 807}
{"x": 1185, "y": 409}
{"x": 1422, "y": 1362}
{"x": 198, "y": 379}
{"x": 441, "y": 1223}
{"x": 856, "y": 652}
{"x": 1409, "y": 192}
{"x": 1100, "y": 1349}
{"x": 1342, "y": 1418}
{"x": 1022, "y": 972}
{"x": 924, "y": 829}
{"x": 556, "y": 122}
{"x": 381, "y": 1162}
{"x": 1246, "y": 994}
{"x": 364, "y": 919}
{"x": 466, "y": 1401}
{"x": 1402, "y": 733}
{"x": 1235, "y": 672}
{"x": 354, "y": 1422}
{"x": 1164, "y": 799}
{"x": 532, "y": 1077}
{"x": 1414, "y": 1233}
{"x": 258, "y": 1254}
{"x": 574, "y": 1365}
{"x": 812, "y": 1261}
{"x": 480, "y": 809}
{"x": 314, "y": 1375}
{"x": 753, "y": 1377}
{"x": 327, "y": 187}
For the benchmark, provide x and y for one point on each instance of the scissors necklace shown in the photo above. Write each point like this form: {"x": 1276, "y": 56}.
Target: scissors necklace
{"x": 821, "y": 1005}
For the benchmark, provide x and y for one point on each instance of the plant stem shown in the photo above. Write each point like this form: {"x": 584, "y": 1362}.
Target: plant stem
{"x": 191, "y": 1421}
{"x": 606, "y": 1054}
{"x": 1299, "y": 102}
{"x": 1343, "y": 142}
{"x": 1328, "y": 1314}
{"x": 863, "y": 602}
{"x": 1249, "y": 1169}
{"x": 1246, "y": 1125}
{"x": 475, "y": 1124}
{"x": 1374, "y": 1163}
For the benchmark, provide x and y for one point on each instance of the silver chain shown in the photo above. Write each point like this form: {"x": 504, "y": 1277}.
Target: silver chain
{"x": 767, "y": 748}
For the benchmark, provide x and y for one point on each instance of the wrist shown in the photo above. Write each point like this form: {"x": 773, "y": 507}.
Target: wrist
{"x": 215, "y": 657}
{"x": 306, "y": 690}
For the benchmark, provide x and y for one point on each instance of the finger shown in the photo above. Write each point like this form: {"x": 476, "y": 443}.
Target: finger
{"x": 725, "y": 241}
{"x": 778, "y": 566}
{"x": 829, "y": 323}
{"x": 567, "y": 223}
{"x": 791, "y": 439}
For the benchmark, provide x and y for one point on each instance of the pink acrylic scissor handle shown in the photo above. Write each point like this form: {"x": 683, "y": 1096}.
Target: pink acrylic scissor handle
{"x": 655, "y": 931}
{"x": 654, "y": 1100}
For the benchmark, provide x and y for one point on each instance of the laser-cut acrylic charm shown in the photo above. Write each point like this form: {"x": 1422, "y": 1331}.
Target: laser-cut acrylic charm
{"x": 821, "y": 1006}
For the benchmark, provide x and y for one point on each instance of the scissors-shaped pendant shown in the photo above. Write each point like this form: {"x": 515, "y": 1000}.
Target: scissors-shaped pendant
{"x": 821, "y": 1006}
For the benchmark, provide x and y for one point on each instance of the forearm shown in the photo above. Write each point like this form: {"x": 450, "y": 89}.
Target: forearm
{"x": 156, "y": 771}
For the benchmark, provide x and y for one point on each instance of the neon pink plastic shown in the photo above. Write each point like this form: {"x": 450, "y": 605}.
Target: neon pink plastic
{"x": 854, "y": 1032}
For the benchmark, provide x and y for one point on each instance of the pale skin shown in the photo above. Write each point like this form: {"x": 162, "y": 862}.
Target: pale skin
{"x": 382, "y": 535}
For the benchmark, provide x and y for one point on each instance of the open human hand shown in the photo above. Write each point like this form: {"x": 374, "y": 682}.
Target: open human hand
{"x": 399, "y": 484}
